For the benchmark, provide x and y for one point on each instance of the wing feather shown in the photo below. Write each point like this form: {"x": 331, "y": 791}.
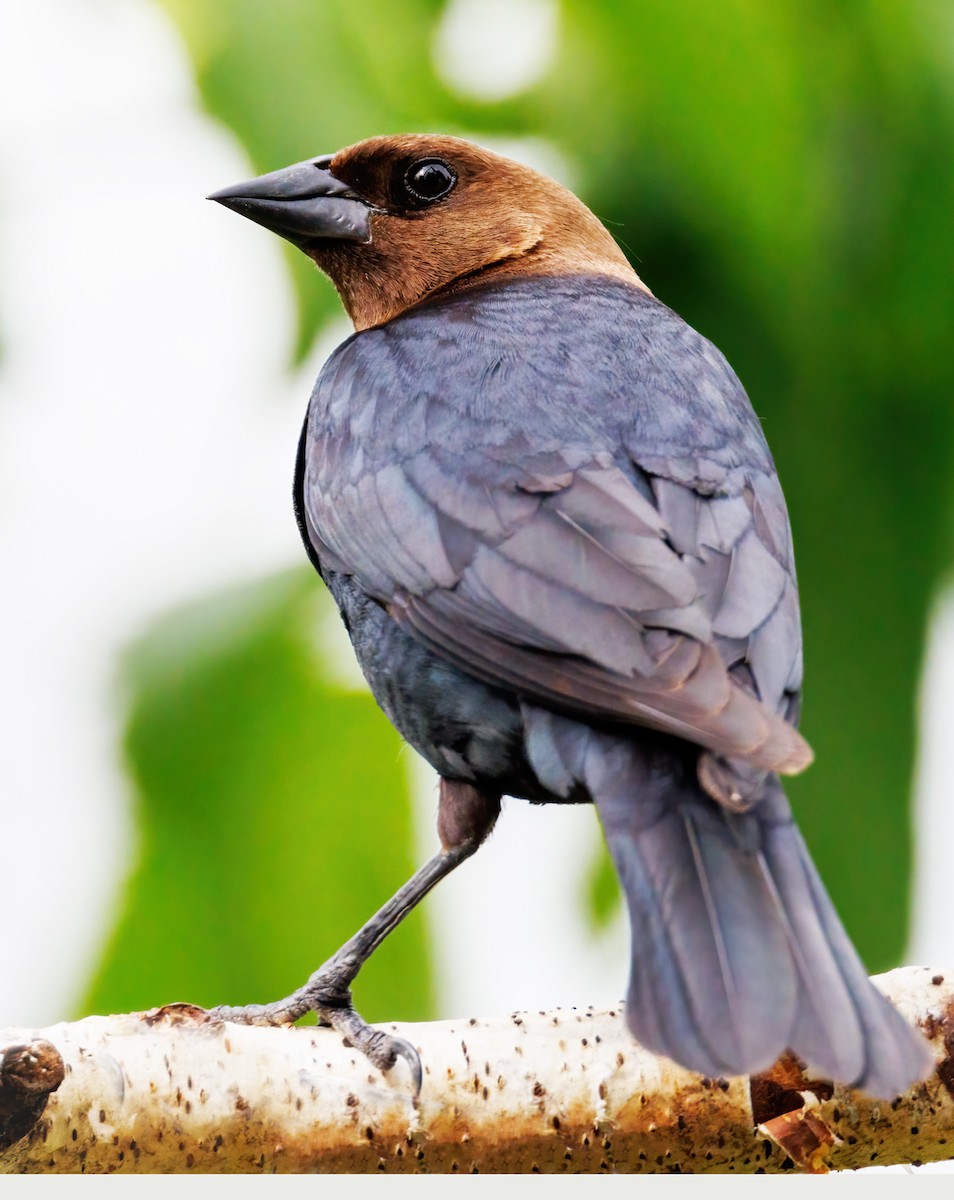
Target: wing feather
{"x": 631, "y": 563}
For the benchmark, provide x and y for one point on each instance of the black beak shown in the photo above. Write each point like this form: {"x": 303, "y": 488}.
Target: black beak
{"x": 303, "y": 203}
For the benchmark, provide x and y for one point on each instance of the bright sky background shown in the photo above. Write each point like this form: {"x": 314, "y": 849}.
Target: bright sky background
{"x": 148, "y": 423}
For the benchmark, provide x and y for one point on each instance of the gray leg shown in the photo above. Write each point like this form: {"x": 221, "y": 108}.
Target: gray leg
{"x": 465, "y": 818}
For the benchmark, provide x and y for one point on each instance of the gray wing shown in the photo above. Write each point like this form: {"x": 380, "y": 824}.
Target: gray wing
{"x": 560, "y": 577}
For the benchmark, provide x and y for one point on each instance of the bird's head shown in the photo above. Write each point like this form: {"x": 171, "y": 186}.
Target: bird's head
{"x": 395, "y": 220}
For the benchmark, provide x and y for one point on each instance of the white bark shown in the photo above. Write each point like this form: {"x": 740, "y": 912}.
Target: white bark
{"x": 562, "y": 1091}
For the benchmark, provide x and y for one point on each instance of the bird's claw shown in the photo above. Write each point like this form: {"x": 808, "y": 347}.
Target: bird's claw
{"x": 381, "y": 1049}
{"x": 398, "y": 1047}
{"x": 332, "y": 1004}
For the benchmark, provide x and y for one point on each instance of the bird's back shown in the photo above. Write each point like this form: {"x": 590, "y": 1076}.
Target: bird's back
{"x": 584, "y": 360}
{"x": 431, "y": 439}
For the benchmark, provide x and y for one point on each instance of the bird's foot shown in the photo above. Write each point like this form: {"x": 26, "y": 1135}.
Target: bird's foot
{"x": 325, "y": 995}
{"x": 380, "y": 1048}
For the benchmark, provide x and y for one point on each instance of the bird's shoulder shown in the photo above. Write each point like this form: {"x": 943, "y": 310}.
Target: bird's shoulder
{"x": 545, "y": 363}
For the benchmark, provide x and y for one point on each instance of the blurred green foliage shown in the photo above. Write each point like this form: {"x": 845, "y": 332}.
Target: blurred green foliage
{"x": 781, "y": 174}
{"x": 273, "y": 814}
{"x": 784, "y": 172}
{"x": 295, "y": 78}
{"x": 602, "y": 895}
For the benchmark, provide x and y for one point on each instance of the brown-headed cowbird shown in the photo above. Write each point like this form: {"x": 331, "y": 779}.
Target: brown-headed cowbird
{"x": 554, "y": 530}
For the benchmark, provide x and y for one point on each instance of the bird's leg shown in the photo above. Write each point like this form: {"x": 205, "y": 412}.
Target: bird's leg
{"x": 465, "y": 818}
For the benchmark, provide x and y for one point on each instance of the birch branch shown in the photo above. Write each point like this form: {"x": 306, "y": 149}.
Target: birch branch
{"x": 565, "y": 1091}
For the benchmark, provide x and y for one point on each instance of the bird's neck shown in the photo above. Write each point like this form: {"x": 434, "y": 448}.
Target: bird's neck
{"x": 541, "y": 261}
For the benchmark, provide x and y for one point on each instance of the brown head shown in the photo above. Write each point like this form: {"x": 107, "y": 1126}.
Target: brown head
{"x": 395, "y": 220}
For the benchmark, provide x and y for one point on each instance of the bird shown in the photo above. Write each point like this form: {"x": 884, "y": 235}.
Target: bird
{"x": 553, "y": 528}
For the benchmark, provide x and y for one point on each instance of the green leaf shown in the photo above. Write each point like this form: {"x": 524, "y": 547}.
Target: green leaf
{"x": 272, "y": 812}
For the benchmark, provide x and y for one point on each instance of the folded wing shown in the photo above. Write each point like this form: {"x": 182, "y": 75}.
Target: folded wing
{"x": 605, "y": 593}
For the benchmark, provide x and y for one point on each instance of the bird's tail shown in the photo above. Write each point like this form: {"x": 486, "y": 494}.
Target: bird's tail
{"x": 737, "y": 952}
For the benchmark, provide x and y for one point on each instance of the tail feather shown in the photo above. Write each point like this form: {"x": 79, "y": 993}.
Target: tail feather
{"x": 712, "y": 980}
{"x": 737, "y": 952}
{"x": 893, "y": 1055}
{"x": 655, "y": 894}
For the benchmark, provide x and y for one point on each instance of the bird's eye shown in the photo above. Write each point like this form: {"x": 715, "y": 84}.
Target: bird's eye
{"x": 428, "y": 180}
